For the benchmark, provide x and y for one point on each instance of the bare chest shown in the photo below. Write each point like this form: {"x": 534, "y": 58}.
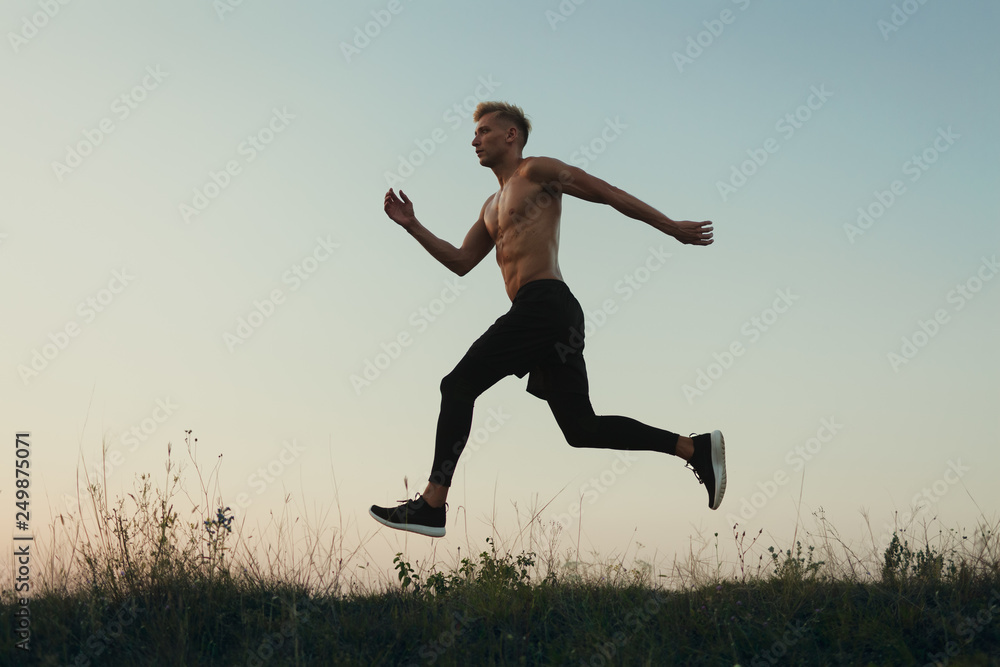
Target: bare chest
{"x": 519, "y": 207}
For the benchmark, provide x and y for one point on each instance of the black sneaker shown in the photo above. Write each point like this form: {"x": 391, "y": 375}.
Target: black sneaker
{"x": 709, "y": 465}
{"x": 414, "y": 515}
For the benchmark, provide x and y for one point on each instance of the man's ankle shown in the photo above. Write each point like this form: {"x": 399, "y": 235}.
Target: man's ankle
{"x": 435, "y": 497}
{"x": 684, "y": 448}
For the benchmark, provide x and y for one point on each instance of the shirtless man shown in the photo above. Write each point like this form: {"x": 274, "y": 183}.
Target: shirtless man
{"x": 542, "y": 334}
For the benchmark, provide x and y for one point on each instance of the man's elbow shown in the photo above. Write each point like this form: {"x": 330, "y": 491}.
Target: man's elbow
{"x": 460, "y": 267}
{"x": 467, "y": 261}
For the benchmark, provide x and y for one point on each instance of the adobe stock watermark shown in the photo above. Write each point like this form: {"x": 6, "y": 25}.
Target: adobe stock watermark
{"x": 924, "y": 500}
{"x": 420, "y": 320}
{"x": 364, "y": 35}
{"x": 596, "y": 486}
{"x": 915, "y": 168}
{"x": 264, "y": 309}
{"x": 752, "y": 329}
{"x": 900, "y": 16}
{"x": 130, "y": 440}
{"x": 121, "y": 109}
{"x": 431, "y": 651}
{"x": 563, "y": 11}
{"x": 224, "y": 7}
{"x": 88, "y": 309}
{"x": 248, "y": 149}
{"x": 787, "y": 126}
{"x": 271, "y": 643}
{"x": 968, "y": 628}
{"x": 637, "y": 617}
{"x": 928, "y": 329}
{"x": 454, "y": 116}
{"x": 266, "y": 475}
{"x": 583, "y": 157}
{"x": 103, "y": 639}
{"x": 698, "y": 43}
{"x": 33, "y": 24}
{"x": 633, "y": 281}
{"x": 777, "y": 651}
{"x": 796, "y": 459}
{"x": 479, "y": 436}
{"x": 630, "y": 283}
{"x": 587, "y": 153}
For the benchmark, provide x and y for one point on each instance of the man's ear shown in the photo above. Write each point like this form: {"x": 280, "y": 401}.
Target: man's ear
{"x": 511, "y": 134}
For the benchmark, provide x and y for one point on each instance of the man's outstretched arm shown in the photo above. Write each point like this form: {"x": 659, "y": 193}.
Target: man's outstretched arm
{"x": 578, "y": 183}
{"x": 477, "y": 243}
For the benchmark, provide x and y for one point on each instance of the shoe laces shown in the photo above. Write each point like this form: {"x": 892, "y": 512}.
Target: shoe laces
{"x": 407, "y": 501}
{"x": 690, "y": 466}
{"x": 417, "y": 494}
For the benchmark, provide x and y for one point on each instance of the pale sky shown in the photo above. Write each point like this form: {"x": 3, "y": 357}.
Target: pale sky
{"x": 192, "y": 237}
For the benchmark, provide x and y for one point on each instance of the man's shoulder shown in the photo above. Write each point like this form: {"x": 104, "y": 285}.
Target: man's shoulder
{"x": 544, "y": 169}
{"x": 538, "y": 162}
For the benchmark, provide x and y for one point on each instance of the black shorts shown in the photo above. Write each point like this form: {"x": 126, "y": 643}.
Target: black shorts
{"x": 541, "y": 334}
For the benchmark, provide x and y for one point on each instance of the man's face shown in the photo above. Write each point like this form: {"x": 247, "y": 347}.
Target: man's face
{"x": 490, "y": 140}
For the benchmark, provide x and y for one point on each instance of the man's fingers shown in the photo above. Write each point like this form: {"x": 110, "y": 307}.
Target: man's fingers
{"x": 701, "y": 233}
{"x": 391, "y": 196}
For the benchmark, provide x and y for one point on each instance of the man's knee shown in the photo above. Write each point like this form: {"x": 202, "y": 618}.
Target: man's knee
{"x": 577, "y": 423}
{"x": 454, "y": 386}
{"x": 580, "y": 430}
{"x": 450, "y": 385}
{"x": 581, "y": 434}
{"x": 577, "y": 437}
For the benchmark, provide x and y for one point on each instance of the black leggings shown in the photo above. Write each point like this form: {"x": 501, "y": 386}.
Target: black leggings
{"x": 541, "y": 334}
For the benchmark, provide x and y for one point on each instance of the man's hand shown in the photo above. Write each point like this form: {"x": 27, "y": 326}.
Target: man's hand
{"x": 687, "y": 231}
{"x": 399, "y": 210}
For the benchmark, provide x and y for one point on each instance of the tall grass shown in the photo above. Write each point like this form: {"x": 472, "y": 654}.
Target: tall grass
{"x": 164, "y": 577}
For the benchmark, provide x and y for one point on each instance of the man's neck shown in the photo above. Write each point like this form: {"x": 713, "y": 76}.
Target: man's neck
{"x": 507, "y": 168}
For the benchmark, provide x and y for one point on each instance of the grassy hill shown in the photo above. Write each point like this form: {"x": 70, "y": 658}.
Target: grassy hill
{"x": 140, "y": 586}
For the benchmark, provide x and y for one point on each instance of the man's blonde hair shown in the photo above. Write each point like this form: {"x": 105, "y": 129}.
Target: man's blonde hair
{"x": 506, "y": 112}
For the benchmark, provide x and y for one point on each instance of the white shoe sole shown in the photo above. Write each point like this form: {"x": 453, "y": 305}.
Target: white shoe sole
{"x": 719, "y": 466}
{"x": 409, "y": 527}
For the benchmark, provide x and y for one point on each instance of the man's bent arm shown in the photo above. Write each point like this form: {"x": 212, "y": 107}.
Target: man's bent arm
{"x": 459, "y": 260}
{"x": 476, "y": 245}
